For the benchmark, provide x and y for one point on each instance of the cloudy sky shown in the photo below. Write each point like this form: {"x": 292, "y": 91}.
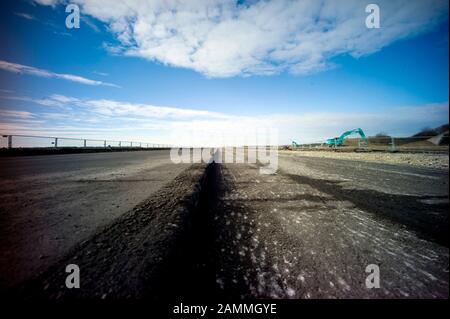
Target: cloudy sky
{"x": 156, "y": 71}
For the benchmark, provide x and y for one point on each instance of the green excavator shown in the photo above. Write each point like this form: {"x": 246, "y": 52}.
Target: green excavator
{"x": 339, "y": 141}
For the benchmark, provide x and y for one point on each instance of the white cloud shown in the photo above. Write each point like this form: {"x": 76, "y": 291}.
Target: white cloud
{"x": 120, "y": 109}
{"x": 15, "y": 114}
{"x": 90, "y": 24}
{"x": 24, "y": 69}
{"x": 47, "y": 2}
{"x": 54, "y": 101}
{"x": 222, "y": 38}
{"x": 25, "y": 15}
{"x": 111, "y": 119}
{"x": 100, "y": 73}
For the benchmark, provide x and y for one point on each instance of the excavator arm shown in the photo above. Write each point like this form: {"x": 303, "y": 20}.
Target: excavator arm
{"x": 340, "y": 140}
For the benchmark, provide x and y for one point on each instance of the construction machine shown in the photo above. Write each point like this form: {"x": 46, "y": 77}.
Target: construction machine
{"x": 339, "y": 141}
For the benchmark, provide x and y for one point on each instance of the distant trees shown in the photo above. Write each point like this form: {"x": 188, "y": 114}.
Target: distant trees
{"x": 382, "y": 134}
{"x": 428, "y": 131}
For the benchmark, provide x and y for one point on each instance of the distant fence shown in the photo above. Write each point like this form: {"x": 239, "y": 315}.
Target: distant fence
{"x": 28, "y": 141}
{"x": 377, "y": 143}
{"x": 383, "y": 143}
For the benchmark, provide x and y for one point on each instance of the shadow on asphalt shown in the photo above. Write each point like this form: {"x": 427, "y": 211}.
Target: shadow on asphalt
{"x": 428, "y": 220}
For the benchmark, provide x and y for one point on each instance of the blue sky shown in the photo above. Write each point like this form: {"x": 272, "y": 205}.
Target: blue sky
{"x": 135, "y": 84}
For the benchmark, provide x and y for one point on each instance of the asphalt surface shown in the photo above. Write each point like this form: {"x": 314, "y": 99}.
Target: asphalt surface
{"x": 308, "y": 231}
{"x": 50, "y": 203}
{"x": 311, "y": 230}
{"x": 416, "y": 197}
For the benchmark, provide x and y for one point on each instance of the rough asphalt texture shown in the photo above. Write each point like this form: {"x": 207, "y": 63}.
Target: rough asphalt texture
{"x": 135, "y": 257}
{"x": 50, "y": 203}
{"x": 308, "y": 231}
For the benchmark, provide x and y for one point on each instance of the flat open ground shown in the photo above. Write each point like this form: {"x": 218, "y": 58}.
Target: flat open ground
{"x": 432, "y": 160}
{"x": 141, "y": 227}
